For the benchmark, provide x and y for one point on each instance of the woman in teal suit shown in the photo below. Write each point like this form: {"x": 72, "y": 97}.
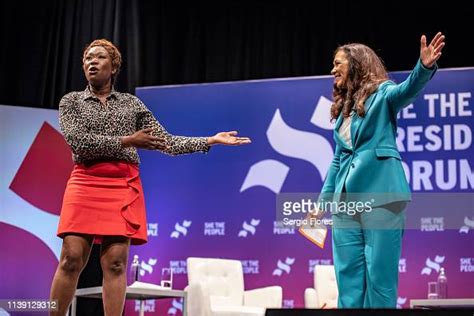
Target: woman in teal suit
{"x": 367, "y": 244}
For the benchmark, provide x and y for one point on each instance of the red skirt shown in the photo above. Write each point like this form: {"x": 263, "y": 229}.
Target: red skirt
{"x": 104, "y": 199}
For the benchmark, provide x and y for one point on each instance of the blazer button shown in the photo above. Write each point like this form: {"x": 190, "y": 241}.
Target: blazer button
{"x": 352, "y": 165}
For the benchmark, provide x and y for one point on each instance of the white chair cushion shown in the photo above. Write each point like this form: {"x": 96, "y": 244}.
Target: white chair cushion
{"x": 311, "y": 298}
{"x": 216, "y": 288}
{"x": 325, "y": 285}
{"x": 267, "y": 297}
{"x": 223, "y": 278}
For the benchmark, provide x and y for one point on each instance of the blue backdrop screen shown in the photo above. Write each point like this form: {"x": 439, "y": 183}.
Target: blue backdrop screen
{"x": 222, "y": 204}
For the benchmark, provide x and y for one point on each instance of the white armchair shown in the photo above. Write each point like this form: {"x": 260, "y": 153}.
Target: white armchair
{"x": 216, "y": 288}
{"x": 324, "y": 294}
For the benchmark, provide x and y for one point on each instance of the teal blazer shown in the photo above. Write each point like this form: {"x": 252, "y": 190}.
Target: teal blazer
{"x": 373, "y": 164}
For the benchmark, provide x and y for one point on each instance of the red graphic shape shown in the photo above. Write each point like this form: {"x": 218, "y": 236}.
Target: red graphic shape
{"x": 43, "y": 174}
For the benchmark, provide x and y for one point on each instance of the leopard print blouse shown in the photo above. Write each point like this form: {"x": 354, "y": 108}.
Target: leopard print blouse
{"x": 93, "y": 130}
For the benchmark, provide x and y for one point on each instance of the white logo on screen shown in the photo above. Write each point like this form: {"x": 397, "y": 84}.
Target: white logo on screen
{"x": 432, "y": 264}
{"x": 294, "y": 143}
{"x": 466, "y": 265}
{"x": 402, "y": 265}
{"x": 179, "y": 266}
{"x": 251, "y": 266}
{"x": 468, "y": 224}
{"x": 288, "y": 303}
{"x": 181, "y": 229}
{"x": 214, "y": 228}
{"x": 431, "y": 224}
{"x": 149, "y": 306}
{"x": 152, "y": 229}
{"x": 176, "y": 305}
{"x": 249, "y": 228}
{"x": 147, "y": 266}
{"x": 401, "y": 301}
{"x": 284, "y": 266}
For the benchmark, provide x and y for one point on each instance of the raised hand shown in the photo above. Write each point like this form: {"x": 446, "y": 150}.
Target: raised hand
{"x": 431, "y": 53}
{"x": 228, "y": 138}
{"x": 143, "y": 139}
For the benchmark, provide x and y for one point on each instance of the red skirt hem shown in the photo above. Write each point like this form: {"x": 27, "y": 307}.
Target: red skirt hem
{"x": 104, "y": 199}
{"x": 97, "y": 238}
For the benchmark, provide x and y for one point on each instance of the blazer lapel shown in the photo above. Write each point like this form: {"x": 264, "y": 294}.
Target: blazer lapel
{"x": 355, "y": 124}
{"x": 357, "y": 120}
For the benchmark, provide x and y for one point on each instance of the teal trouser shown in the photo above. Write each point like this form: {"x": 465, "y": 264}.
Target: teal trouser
{"x": 366, "y": 249}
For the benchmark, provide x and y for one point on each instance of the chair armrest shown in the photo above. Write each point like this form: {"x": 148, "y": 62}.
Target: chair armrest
{"x": 266, "y": 297}
{"x": 198, "y": 301}
{"x": 311, "y": 298}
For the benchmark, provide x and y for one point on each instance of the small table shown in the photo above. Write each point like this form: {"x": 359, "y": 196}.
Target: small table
{"x": 443, "y": 303}
{"x": 131, "y": 293}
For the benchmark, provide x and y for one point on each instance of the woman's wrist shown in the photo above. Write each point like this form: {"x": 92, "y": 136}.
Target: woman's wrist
{"x": 211, "y": 141}
{"x": 126, "y": 141}
{"x": 433, "y": 65}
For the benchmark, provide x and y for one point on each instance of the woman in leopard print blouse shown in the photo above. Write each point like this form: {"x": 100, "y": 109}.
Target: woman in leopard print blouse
{"x": 103, "y": 201}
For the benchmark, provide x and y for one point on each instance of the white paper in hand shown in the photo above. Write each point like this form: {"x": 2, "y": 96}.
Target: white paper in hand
{"x": 315, "y": 231}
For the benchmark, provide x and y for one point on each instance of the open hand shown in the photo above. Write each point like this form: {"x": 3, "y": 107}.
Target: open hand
{"x": 228, "y": 138}
{"x": 431, "y": 53}
{"x": 143, "y": 139}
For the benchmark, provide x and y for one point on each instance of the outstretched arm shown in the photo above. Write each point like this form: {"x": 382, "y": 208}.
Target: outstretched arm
{"x": 177, "y": 145}
{"x": 404, "y": 93}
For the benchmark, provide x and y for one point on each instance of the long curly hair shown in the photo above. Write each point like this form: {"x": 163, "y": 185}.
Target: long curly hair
{"x": 113, "y": 52}
{"x": 366, "y": 73}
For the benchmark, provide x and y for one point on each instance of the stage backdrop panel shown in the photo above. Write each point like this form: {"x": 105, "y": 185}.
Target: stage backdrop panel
{"x": 35, "y": 164}
{"x": 222, "y": 204}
